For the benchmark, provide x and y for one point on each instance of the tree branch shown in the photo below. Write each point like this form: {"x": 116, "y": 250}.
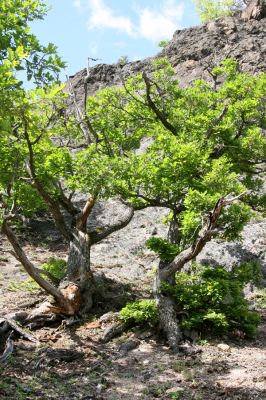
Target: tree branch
{"x": 216, "y": 122}
{"x": 124, "y": 221}
{"x": 84, "y": 215}
{"x": 160, "y": 115}
{"x": 51, "y": 203}
{"x": 29, "y": 267}
{"x": 203, "y": 237}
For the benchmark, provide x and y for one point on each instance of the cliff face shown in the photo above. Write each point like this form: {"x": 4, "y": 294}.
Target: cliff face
{"x": 191, "y": 52}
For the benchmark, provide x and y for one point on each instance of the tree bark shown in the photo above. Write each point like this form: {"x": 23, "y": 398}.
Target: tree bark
{"x": 166, "y": 305}
{"x": 78, "y": 267}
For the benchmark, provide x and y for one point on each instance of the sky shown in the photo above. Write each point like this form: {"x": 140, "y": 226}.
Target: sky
{"x": 109, "y": 29}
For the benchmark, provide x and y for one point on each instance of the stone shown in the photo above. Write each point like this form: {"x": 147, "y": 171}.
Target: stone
{"x": 224, "y": 347}
{"x": 175, "y": 389}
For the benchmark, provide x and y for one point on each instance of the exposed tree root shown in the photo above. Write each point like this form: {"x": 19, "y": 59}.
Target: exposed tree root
{"x": 15, "y": 327}
{"x": 8, "y": 349}
{"x": 113, "y": 331}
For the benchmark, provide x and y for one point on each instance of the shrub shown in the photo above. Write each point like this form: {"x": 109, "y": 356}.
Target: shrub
{"x": 213, "y": 298}
{"x": 140, "y": 312}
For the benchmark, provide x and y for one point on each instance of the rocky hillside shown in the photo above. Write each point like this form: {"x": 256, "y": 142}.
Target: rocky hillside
{"x": 192, "y": 52}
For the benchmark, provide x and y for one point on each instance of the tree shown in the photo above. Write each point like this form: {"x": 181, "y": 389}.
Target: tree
{"x": 204, "y": 159}
{"x": 206, "y": 146}
{"x": 41, "y": 63}
{"x": 211, "y": 9}
{"x": 123, "y": 60}
{"x": 37, "y": 167}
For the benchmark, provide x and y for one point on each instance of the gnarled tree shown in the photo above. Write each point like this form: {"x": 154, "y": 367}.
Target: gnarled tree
{"x": 201, "y": 154}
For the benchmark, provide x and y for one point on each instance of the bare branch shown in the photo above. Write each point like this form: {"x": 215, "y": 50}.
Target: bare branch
{"x": 160, "y": 115}
{"x": 83, "y": 216}
{"x": 123, "y": 221}
{"x": 203, "y": 237}
{"x": 29, "y": 267}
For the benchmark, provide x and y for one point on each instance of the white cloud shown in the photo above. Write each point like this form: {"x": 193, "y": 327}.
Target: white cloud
{"x": 120, "y": 44}
{"x": 103, "y": 17}
{"x": 77, "y": 4}
{"x": 152, "y": 24}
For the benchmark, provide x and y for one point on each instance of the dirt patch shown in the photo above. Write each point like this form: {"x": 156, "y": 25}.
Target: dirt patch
{"x": 70, "y": 362}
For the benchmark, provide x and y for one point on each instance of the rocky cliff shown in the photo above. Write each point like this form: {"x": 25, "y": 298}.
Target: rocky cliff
{"x": 191, "y": 52}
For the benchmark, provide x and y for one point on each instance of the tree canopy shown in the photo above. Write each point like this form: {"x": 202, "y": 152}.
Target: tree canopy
{"x": 211, "y": 9}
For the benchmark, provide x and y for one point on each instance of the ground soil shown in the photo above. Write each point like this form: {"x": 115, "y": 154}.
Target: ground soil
{"x": 71, "y": 362}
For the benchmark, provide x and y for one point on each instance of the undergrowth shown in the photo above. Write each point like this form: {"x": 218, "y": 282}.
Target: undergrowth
{"x": 212, "y": 298}
{"x": 55, "y": 266}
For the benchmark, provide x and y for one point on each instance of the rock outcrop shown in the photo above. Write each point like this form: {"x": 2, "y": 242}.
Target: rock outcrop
{"x": 191, "y": 52}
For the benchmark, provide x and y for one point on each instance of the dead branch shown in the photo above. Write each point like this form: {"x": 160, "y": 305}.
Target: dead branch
{"x": 204, "y": 236}
{"x": 15, "y": 327}
{"x": 8, "y": 349}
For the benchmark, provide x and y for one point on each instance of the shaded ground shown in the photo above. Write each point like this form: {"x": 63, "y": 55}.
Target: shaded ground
{"x": 70, "y": 362}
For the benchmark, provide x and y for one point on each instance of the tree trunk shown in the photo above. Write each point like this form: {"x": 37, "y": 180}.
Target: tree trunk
{"x": 167, "y": 313}
{"x": 65, "y": 302}
{"x": 166, "y": 305}
{"x": 78, "y": 267}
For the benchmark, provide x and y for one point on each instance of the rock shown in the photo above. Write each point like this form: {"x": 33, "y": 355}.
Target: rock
{"x": 128, "y": 346}
{"x": 175, "y": 389}
{"x": 190, "y": 51}
{"x": 256, "y": 9}
{"x": 223, "y": 347}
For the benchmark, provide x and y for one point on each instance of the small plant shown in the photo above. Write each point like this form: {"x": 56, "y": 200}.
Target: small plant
{"x": 140, "y": 312}
{"x": 54, "y": 266}
{"x": 214, "y": 299}
{"x": 165, "y": 250}
{"x": 163, "y": 43}
{"x": 123, "y": 60}
{"x": 29, "y": 285}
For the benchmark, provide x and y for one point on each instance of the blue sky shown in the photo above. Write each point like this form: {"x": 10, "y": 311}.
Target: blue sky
{"x": 109, "y": 29}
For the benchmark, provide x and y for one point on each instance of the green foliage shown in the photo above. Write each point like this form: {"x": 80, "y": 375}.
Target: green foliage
{"x": 214, "y": 299}
{"x": 163, "y": 43}
{"x": 207, "y": 158}
{"x": 56, "y": 267}
{"x": 29, "y": 285}
{"x": 165, "y": 250}
{"x": 18, "y": 45}
{"x": 123, "y": 60}
{"x": 211, "y": 9}
{"x": 140, "y": 312}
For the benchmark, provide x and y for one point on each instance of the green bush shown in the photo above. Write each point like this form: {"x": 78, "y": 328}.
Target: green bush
{"x": 213, "y": 298}
{"x": 140, "y": 312}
